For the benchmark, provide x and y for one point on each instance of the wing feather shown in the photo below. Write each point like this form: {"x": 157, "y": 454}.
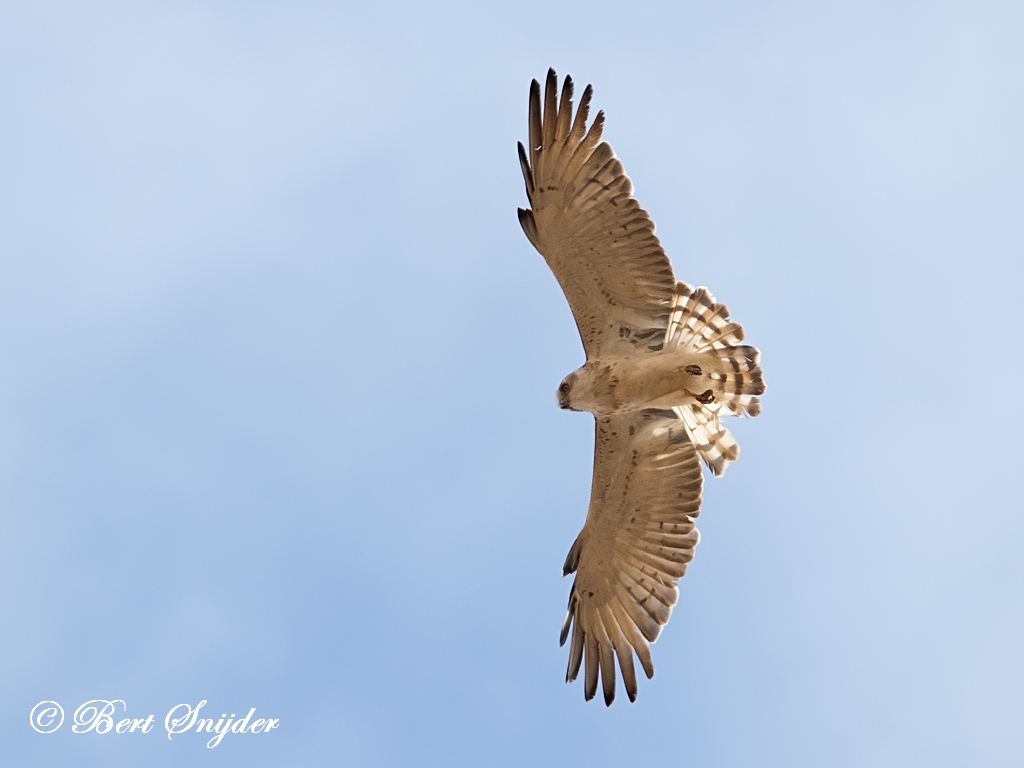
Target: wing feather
{"x": 639, "y": 537}
{"x": 590, "y": 654}
{"x": 550, "y": 121}
{"x": 564, "y": 111}
{"x": 623, "y": 650}
{"x": 607, "y": 657}
{"x": 645, "y": 623}
{"x": 575, "y": 653}
{"x": 596, "y": 238}
{"x": 535, "y": 137}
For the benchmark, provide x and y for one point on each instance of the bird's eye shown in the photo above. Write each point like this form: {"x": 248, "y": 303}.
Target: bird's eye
{"x": 564, "y": 387}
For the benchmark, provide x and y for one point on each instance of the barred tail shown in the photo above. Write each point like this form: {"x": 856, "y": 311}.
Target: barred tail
{"x": 713, "y": 442}
{"x": 741, "y": 382}
{"x": 698, "y": 322}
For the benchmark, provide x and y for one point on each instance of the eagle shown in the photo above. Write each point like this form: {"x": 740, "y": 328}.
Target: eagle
{"x": 664, "y": 364}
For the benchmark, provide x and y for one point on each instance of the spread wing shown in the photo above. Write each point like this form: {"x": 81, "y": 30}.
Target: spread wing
{"x": 639, "y": 536}
{"x": 595, "y": 237}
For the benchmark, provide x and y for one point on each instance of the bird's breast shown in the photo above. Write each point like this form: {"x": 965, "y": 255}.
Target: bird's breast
{"x": 655, "y": 380}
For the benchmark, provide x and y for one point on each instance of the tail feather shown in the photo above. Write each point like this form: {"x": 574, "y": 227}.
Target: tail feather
{"x": 698, "y": 322}
{"x": 713, "y": 442}
{"x": 742, "y": 405}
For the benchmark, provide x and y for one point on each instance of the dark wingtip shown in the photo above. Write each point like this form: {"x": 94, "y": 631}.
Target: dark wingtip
{"x": 566, "y": 626}
{"x": 572, "y": 560}
{"x": 524, "y": 165}
{"x": 528, "y": 224}
{"x": 568, "y": 620}
{"x": 609, "y": 697}
{"x": 631, "y": 692}
{"x": 568, "y": 87}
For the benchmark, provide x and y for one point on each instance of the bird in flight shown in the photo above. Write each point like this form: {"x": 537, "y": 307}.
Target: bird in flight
{"x": 664, "y": 365}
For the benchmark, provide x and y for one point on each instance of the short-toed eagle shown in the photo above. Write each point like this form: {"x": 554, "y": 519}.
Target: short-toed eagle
{"x": 664, "y": 364}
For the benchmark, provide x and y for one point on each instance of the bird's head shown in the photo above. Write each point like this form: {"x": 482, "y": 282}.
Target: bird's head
{"x": 565, "y": 392}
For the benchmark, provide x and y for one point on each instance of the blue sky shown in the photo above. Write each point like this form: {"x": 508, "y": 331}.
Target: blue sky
{"x": 277, "y": 414}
